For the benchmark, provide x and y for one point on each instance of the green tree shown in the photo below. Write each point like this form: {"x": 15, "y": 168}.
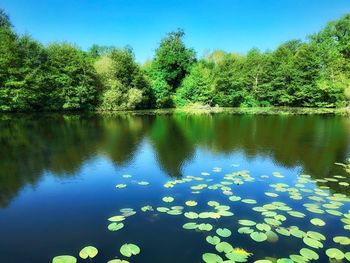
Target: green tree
{"x": 124, "y": 83}
{"x": 197, "y": 86}
{"x": 173, "y": 59}
{"x": 72, "y": 79}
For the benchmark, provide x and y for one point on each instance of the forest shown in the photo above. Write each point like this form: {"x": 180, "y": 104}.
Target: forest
{"x": 62, "y": 77}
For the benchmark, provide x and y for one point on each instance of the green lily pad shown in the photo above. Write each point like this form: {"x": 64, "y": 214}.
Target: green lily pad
{"x": 115, "y": 226}
{"x": 317, "y": 222}
{"x": 312, "y": 242}
{"x": 191, "y": 203}
{"x": 223, "y": 232}
{"x": 211, "y": 258}
{"x": 190, "y": 225}
{"x": 191, "y": 215}
{"x": 118, "y": 261}
{"x": 334, "y": 253}
{"x": 116, "y": 218}
{"x": 64, "y": 259}
{"x": 342, "y": 240}
{"x": 146, "y": 208}
{"x": 244, "y": 222}
{"x": 258, "y": 236}
{"x": 284, "y": 260}
{"x": 309, "y": 254}
{"x": 129, "y": 250}
{"x": 205, "y": 227}
{"x": 245, "y": 230}
{"x": 143, "y": 183}
{"x": 168, "y": 199}
{"x": 347, "y": 256}
{"x": 213, "y": 240}
{"x": 224, "y": 247}
{"x": 88, "y": 252}
{"x": 234, "y": 198}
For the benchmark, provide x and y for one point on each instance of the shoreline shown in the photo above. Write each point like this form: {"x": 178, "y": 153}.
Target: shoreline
{"x": 201, "y": 110}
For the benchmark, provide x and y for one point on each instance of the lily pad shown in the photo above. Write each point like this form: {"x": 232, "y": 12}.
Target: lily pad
{"x": 223, "y": 232}
{"x": 116, "y": 218}
{"x": 309, "y": 254}
{"x": 64, "y": 259}
{"x": 312, "y": 242}
{"x": 88, "y": 252}
{"x": 168, "y": 199}
{"x": 334, "y": 253}
{"x": 191, "y": 215}
{"x": 224, "y": 247}
{"x": 191, "y": 203}
{"x": 244, "y": 222}
{"x": 342, "y": 240}
{"x": 118, "y": 261}
{"x": 129, "y": 250}
{"x": 317, "y": 222}
{"x": 258, "y": 236}
{"x": 115, "y": 226}
{"x": 213, "y": 240}
{"x": 211, "y": 258}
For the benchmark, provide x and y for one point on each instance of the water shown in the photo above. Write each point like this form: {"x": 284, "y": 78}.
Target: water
{"x": 58, "y": 175}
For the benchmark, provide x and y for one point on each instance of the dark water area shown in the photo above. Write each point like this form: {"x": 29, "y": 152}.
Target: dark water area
{"x": 58, "y": 177}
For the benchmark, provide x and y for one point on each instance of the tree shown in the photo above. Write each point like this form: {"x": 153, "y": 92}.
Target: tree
{"x": 72, "y": 80}
{"x": 124, "y": 83}
{"x": 197, "y": 86}
{"x": 173, "y": 59}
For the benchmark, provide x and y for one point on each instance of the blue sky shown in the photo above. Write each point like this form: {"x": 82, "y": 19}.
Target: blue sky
{"x": 231, "y": 25}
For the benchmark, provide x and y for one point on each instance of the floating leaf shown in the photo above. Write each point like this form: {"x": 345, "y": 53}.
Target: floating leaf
{"x": 205, "y": 227}
{"x": 64, "y": 259}
{"x": 118, "y": 261}
{"x": 258, "y": 236}
{"x": 190, "y": 225}
{"x": 244, "y": 222}
{"x": 249, "y": 201}
{"x": 224, "y": 247}
{"x": 116, "y": 218}
{"x": 213, "y": 240}
{"x": 146, "y": 208}
{"x": 88, "y": 252}
{"x": 309, "y": 254}
{"x": 335, "y": 253}
{"x": 168, "y": 199}
{"x": 191, "y": 215}
{"x": 211, "y": 258}
{"x": 115, "y": 226}
{"x": 245, "y": 230}
{"x": 191, "y": 203}
{"x": 342, "y": 240}
{"x": 223, "y": 232}
{"x": 312, "y": 242}
{"x": 128, "y": 250}
{"x": 317, "y": 222}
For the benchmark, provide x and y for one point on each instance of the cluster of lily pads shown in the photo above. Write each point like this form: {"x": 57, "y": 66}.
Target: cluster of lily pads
{"x": 276, "y": 218}
{"x": 89, "y": 252}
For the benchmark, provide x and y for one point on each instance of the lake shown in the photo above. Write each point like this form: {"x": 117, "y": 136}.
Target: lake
{"x": 182, "y": 187}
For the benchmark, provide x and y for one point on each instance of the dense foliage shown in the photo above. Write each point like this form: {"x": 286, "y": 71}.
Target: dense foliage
{"x": 61, "y": 76}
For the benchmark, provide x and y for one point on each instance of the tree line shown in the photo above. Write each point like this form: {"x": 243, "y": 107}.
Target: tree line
{"x": 63, "y": 77}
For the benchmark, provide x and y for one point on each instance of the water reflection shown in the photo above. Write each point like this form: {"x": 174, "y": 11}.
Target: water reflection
{"x": 33, "y": 144}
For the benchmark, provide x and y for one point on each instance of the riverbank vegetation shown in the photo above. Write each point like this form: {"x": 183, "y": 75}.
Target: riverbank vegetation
{"x": 62, "y": 77}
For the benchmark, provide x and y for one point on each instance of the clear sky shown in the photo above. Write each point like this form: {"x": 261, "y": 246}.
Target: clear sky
{"x": 231, "y": 25}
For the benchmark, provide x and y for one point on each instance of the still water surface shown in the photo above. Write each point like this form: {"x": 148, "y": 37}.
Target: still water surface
{"x": 58, "y": 175}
